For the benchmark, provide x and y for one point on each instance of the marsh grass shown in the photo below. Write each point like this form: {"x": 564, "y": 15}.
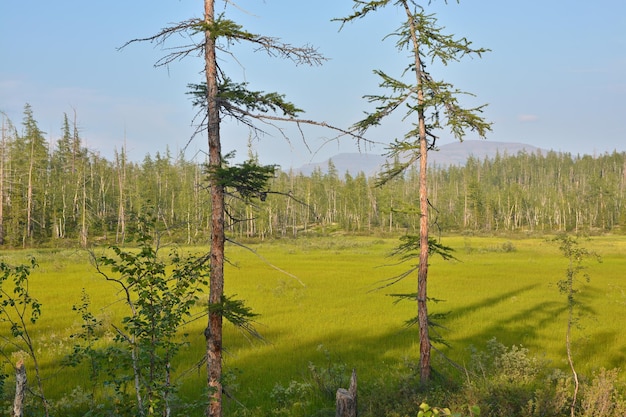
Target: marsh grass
{"x": 499, "y": 287}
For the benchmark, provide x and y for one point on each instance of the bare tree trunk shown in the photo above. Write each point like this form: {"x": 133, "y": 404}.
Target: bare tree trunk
{"x": 213, "y": 332}
{"x": 422, "y": 272}
{"x": 3, "y": 148}
{"x": 81, "y": 184}
{"x": 20, "y": 389}
{"x": 83, "y": 221}
{"x": 29, "y": 202}
{"x": 120, "y": 162}
{"x": 137, "y": 379}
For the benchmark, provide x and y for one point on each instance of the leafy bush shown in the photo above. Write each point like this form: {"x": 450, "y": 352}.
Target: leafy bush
{"x": 602, "y": 398}
{"x": 329, "y": 378}
{"x": 293, "y": 399}
{"x": 508, "y": 246}
{"x": 428, "y": 411}
{"x": 511, "y": 365}
{"x": 136, "y": 370}
{"x": 504, "y": 381}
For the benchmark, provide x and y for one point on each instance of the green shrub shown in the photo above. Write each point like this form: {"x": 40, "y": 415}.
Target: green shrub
{"x": 604, "y": 396}
{"x": 503, "y": 380}
{"x": 508, "y": 246}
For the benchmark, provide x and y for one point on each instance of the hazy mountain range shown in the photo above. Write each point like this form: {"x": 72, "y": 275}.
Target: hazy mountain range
{"x": 450, "y": 154}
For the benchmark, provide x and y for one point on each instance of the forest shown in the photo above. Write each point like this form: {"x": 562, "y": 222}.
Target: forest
{"x": 56, "y": 192}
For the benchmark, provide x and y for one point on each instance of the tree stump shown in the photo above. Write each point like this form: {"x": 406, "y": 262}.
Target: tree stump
{"x": 346, "y": 399}
{"x": 20, "y": 389}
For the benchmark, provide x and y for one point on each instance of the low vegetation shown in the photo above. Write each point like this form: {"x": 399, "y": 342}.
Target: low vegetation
{"x": 505, "y": 327}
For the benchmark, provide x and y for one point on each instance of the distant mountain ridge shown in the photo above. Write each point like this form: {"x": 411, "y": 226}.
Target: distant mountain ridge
{"x": 447, "y": 155}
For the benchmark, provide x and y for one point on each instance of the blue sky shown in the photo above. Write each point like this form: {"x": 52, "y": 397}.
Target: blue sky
{"x": 555, "y": 76}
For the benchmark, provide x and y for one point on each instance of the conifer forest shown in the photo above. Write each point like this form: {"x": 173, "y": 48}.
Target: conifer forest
{"x": 57, "y": 192}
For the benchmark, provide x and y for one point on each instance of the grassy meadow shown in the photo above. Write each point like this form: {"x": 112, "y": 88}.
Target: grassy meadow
{"x": 318, "y": 302}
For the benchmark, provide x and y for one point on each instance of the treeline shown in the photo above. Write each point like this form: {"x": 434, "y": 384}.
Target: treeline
{"x": 527, "y": 192}
{"x": 62, "y": 192}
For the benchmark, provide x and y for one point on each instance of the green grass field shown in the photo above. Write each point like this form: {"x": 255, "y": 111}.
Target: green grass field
{"x": 490, "y": 291}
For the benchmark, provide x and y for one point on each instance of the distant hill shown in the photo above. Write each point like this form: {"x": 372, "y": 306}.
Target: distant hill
{"x": 450, "y": 154}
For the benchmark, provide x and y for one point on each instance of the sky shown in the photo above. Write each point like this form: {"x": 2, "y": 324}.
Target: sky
{"x": 555, "y": 75}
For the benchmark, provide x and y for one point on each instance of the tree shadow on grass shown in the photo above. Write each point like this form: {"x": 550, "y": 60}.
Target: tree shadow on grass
{"x": 286, "y": 359}
{"x": 280, "y": 363}
{"x": 259, "y": 367}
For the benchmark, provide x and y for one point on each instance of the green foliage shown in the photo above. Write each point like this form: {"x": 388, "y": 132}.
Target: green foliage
{"x": 423, "y": 98}
{"x": 3, "y": 379}
{"x": 293, "y": 399}
{"x": 569, "y": 286}
{"x": 499, "y": 382}
{"x": 85, "y": 346}
{"x": 18, "y": 306}
{"x": 408, "y": 250}
{"x": 507, "y": 247}
{"x": 159, "y": 298}
{"x": 237, "y": 313}
{"x": 421, "y": 35}
{"x": 107, "y": 387}
{"x": 237, "y": 99}
{"x": 428, "y": 411}
{"x": 20, "y": 311}
{"x": 505, "y": 365}
{"x": 331, "y": 376}
{"x": 222, "y": 27}
{"x": 410, "y": 246}
{"x": 576, "y": 255}
{"x": 249, "y": 180}
{"x": 604, "y": 396}
{"x": 508, "y": 381}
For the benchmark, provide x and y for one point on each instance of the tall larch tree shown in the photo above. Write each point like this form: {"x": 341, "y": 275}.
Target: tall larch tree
{"x": 433, "y": 105}
{"x": 219, "y": 97}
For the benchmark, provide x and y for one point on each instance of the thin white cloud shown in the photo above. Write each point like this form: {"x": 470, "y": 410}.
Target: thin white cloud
{"x": 525, "y": 118}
